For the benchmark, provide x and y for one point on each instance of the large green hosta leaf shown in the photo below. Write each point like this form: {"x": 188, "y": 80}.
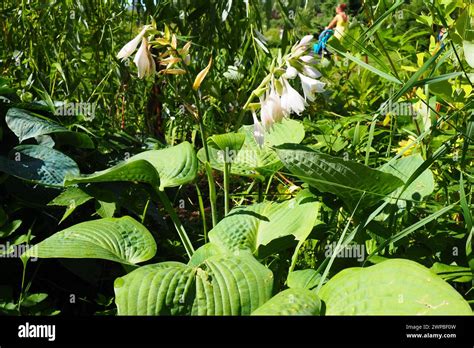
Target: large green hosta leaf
{"x": 346, "y": 179}
{"x": 27, "y": 125}
{"x": 392, "y": 287}
{"x": 220, "y": 285}
{"x": 251, "y": 160}
{"x": 121, "y": 240}
{"x": 403, "y": 168}
{"x": 265, "y": 227}
{"x": 291, "y": 302}
{"x": 168, "y": 167}
{"x": 39, "y": 164}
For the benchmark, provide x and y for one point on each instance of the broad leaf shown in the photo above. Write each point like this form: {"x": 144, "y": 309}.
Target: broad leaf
{"x": 267, "y": 226}
{"x": 121, "y": 240}
{"x": 227, "y": 141}
{"x": 252, "y": 160}
{"x": 392, "y": 287}
{"x": 39, "y": 164}
{"x": 27, "y": 125}
{"x": 303, "y": 279}
{"x": 347, "y": 179}
{"x": 220, "y": 285}
{"x": 72, "y": 198}
{"x": 291, "y": 302}
{"x": 403, "y": 168}
{"x": 168, "y": 167}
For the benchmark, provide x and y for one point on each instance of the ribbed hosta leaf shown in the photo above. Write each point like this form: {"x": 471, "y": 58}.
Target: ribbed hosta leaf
{"x": 39, "y": 164}
{"x": 168, "y": 167}
{"x": 256, "y": 226}
{"x": 392, "y": 287}
{"x": 291, "y": 302}
{"x": 346, "y": 179}
{"x": 229, "y": 141}
{"x": 122, "y": 240}
{"x": 27, "y": 125}
{"x": 252, "y": 160}
{"x": 221, "y": 285}
{"x": 304, "y": 279}
{"x": 403, "y": 168}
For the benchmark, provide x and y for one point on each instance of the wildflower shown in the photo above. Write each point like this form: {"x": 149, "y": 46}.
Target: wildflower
{"x": 291, "y": 100}
{"x": 271, "y": 110}
{"x": 130, "y": 47}
{"x": 311, "y": 86}
{"x": 410, "y": 144}
{"x": 144, "y": 61}
{"x": 311, "y": 72}
{"x": 258, "y": 131}
{"x": 291, "y": 72}
{"x": 386, "y": 120}
{"x": 308, "y": 59}
{"x": 304, "y": 42}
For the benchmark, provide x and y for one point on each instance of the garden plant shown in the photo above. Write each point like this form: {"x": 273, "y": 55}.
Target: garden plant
{"x": 198, "y": 157}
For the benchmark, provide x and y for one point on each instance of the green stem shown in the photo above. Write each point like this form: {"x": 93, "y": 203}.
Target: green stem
{"x": 270, "y": 179}
{"x": 177, "y": 223}
{"x": 202, "y": 212}
{"x": 210, "y": 179}
{"x": 226, "y": 187}
{"x": 212, "y": 193}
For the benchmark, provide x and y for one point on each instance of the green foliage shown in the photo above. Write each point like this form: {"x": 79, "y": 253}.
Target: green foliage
{"x": 380, "y": 162}
{"x": 121, "y": 240}
{"x": 291, "y": 302}
{"x": 251, "y": 160}
{"x": 39, "y": 164}
{"x": 169, "y": 167}
{"x": 219, "y": 285}
{"x": 393, "y": 287}
{"x": 265, "y": 228}
{"x": 351, "y": 181}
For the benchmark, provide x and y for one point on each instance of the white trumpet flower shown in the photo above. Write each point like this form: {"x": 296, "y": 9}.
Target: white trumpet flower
{"x": 300, "y": 48}
{"x": 308, "y": 59}
{"x": 304, "y": 41}
{"x": 291, "y": 72}
{"x": 311, "y": 72}
{"x": 271, "y": 110}
{"x": 130, "y": 47}
{"x": 311, "y": 86}
{"x": 291, "y": 100}
{"x": 144, "y": 61}
{"x": 258, "y": 131}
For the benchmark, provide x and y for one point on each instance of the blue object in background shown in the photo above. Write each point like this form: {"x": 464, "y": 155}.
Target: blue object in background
{"x": 320, "y": 46}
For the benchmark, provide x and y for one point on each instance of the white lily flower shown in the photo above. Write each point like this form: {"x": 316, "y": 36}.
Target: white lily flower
{"x": 305, "y": 40}
{"x": 311, "y": 86}
{"x": 258, "y": 131}
{"x": 300, "y": 48}
{"x": 130, "y": 47}
{"x": 308, "y": 59}
{"x": 291, "y": 100}
{"x": 291, "y": 72}
{"x": 144, "y": 61}
{"x": 311, "y": 72}
{"x": 271, "y": 110}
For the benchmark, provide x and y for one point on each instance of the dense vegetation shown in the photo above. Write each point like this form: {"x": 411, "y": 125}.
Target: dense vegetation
{"x": 195, "y": 157}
